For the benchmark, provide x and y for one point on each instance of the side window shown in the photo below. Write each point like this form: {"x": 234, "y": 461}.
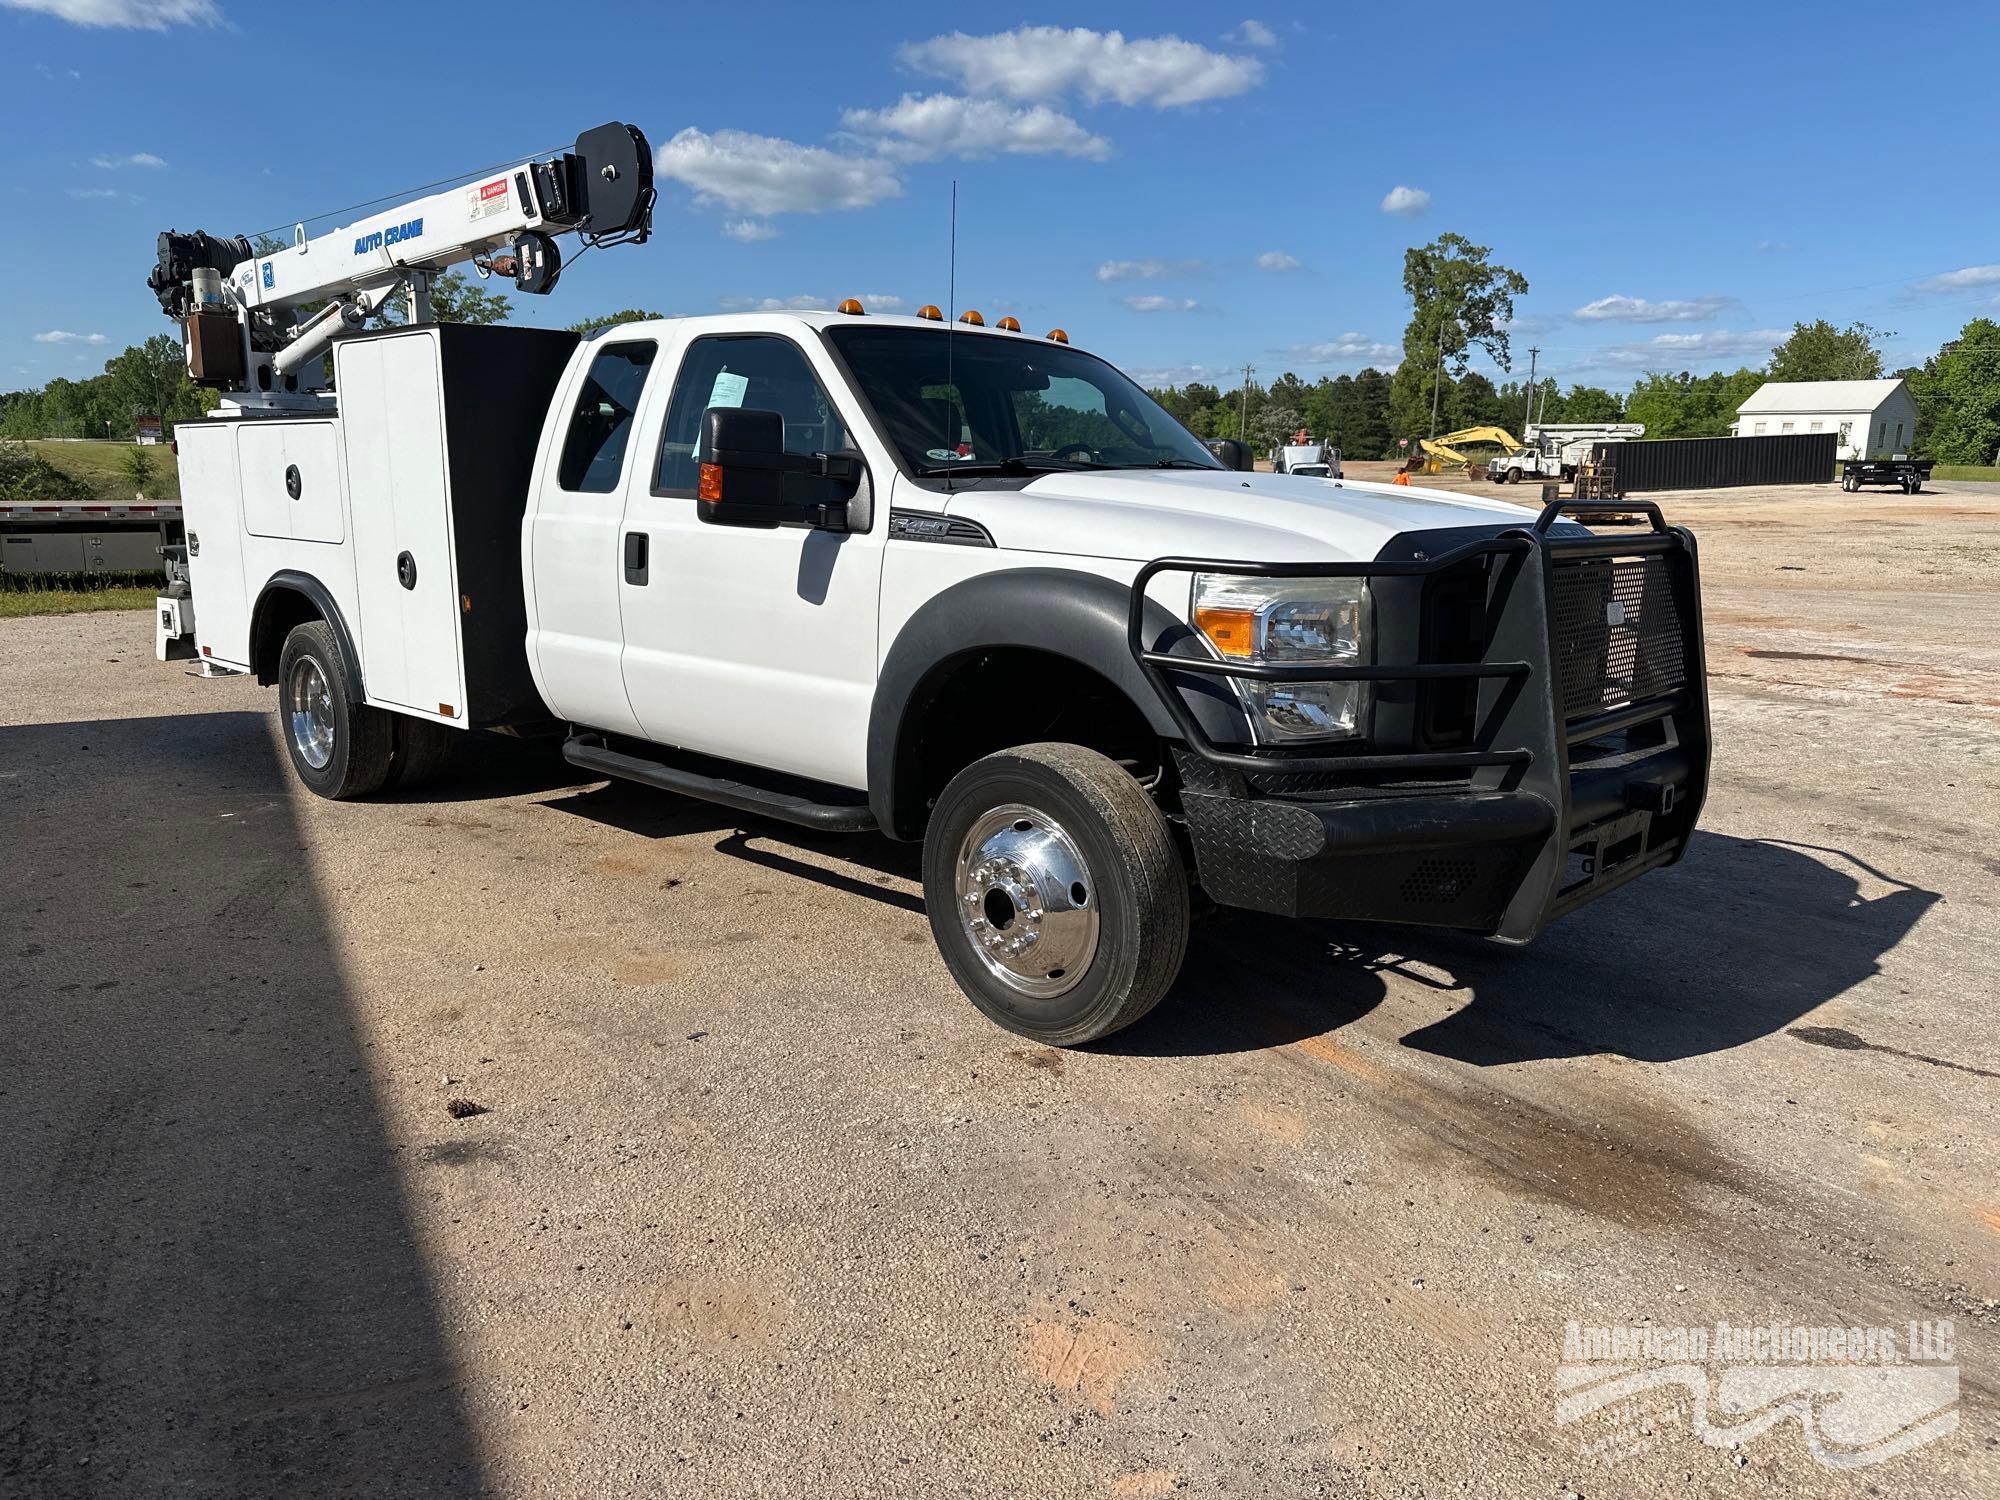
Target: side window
{"x": 760, "y": 372}
{"x": 593, "y": 453}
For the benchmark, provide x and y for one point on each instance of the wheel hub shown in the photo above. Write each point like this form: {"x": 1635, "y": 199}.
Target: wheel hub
{"x": 312, "y": 714}
{"x": 1026, "y": 901}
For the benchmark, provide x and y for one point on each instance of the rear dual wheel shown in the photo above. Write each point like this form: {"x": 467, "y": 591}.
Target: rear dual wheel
{"x": 1056, "y": 893}
{"x": 340, "y": 747}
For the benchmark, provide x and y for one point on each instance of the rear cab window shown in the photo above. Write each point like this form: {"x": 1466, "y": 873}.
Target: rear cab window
{"x": 600, "y": 423}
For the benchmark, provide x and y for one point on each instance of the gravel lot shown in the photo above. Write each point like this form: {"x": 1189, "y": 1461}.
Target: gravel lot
{"x": 758, "y": 1205}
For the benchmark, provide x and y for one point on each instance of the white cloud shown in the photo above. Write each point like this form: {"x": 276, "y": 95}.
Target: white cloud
{"x": 1679, "y": 351}
{"x": 1621, "y": 309}
{"x": 1252, "y": 34}
{"x": 94, "y": 193}
{"x": 1348, "y": 349}
{"x": 1277, "y": 260}
{"x": 1048, "y": 62}
{"x": 1158, "y": 303}
{"x": 799, "y": 303}
{"x": 923, "y": 128}
{"x": 1165, "y": 375}
{"x": 762, "y": 174}
{"x": 135, "y": 159}
{"x": 1966, "y": 278}
{"x": 749, "y": 231}
{"x": 874, "y": 301}
{"x": 1148, "y": 269}
{"x": 1774, "y": 247}
{"x": 135, "y": 15}
{"x": 64, "y": 336}
{"x": 1408, "y": 201}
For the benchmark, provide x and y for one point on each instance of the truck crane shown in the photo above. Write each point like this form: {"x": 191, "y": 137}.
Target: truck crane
{"x": 754, "y": 558}
{"x": 241, "y": 314}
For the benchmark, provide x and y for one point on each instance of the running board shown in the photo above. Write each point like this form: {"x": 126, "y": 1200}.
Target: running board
{"x": 592, "y": 754}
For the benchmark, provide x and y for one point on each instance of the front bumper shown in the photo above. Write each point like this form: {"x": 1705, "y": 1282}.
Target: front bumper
{"x": 1573, "y": 757}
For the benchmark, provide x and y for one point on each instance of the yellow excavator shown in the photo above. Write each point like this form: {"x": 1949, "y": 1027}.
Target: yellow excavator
{"x": 1439, "y": 451}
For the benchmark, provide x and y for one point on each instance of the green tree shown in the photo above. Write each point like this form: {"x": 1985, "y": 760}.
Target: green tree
{"x": 1819, "y": 351}
{"x": 137, "y": 465}
{"x": 456, "y": 299}
{"x": 1459, "y": 300}
{"x": 623, "y": 315}
{"x": 1687, "y": 405}
{"x": 1958, "y": 397}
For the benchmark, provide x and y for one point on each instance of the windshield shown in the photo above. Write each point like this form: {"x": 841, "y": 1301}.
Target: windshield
{"x": 997, "y": 404}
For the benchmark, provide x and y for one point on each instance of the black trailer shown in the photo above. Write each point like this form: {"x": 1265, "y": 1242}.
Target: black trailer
{"x": 1907, "y": 474}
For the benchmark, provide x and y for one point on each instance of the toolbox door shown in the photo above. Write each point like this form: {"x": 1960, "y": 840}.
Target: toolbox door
{"x": 392, "y": 409}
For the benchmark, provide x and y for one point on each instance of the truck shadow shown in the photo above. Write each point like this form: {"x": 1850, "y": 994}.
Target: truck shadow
{"x": 211, "y": 1283}
{"x": 1739, "y": 941}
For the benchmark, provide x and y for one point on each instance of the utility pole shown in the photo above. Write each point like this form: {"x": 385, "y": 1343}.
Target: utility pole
{"x": 1528, "y": 421}
{"x": 1243, "y": 410}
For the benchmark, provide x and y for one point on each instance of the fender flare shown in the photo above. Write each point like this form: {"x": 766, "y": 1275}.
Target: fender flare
{"x": 1062, "y": 611}
{"x": 290, "y": 580}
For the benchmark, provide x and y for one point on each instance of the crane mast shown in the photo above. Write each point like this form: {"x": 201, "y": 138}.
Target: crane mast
{"x": 249, "y": 323}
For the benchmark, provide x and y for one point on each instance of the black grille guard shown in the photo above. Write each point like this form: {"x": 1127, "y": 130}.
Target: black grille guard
{"x": 1612, "y": 823}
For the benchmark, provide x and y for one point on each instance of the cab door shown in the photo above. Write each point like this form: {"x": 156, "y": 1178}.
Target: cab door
{"x": 576, "y": 637}
{"x": 752, "y": 645}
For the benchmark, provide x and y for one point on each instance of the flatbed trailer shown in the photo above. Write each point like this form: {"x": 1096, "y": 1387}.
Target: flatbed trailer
{"x": 1907, "y": 474}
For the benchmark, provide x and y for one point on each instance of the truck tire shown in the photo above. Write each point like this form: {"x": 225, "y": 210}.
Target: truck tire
{"x": 1055, "y": 892}
{"x": 422, "y": 748}
{"x": 341, "y": 749}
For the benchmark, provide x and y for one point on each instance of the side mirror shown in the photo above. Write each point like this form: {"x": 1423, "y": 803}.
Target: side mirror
{"x": 1234, "y": 455}
{"x": 748, "y": 479}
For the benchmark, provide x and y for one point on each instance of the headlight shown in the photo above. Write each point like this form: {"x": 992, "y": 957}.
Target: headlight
{"x": 1289, "y": 620}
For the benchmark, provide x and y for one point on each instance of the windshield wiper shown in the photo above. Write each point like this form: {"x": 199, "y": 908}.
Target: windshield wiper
{"x": 1185, "y": 463}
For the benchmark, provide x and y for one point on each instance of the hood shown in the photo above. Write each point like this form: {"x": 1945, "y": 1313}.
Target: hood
{"x": 1139, "y": 514}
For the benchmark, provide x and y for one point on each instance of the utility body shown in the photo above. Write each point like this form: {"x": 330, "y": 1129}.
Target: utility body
{"x": 963, "y": 585}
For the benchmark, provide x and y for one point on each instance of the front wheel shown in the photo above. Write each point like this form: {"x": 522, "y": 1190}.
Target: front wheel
{"x": 1055, "y": 892}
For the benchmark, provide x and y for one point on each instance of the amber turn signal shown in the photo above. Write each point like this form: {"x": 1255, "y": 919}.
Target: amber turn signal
{"x": 1231, "y": 631}
{"x": 710, "y": 486}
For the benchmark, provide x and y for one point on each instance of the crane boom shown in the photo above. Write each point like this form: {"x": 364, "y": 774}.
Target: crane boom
{"x": 241, "y": 313}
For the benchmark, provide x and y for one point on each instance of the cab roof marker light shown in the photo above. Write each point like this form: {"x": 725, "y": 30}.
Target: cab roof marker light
{"x": 971, "y": 315}
{"x": 852, "y": 306}
{"x": 1010, "y": 323}
{"x": 930, "y": 310}
{"x": 1056, "y": 335}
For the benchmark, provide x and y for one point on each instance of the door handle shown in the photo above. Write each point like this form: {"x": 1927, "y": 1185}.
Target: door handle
{"x": 635, "y": 557}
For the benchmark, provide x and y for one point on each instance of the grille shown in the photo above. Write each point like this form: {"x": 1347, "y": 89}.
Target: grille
{"x": 1617, "y": 633}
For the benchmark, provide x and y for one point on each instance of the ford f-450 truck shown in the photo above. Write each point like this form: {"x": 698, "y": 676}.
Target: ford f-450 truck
{"x": 968, "y": 586}
{"x": 958, "y": 584}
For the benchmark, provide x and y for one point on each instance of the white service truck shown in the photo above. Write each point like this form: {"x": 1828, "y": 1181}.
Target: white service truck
{"x": 1312, "y": 460}
{"x": 1556, "y": 450}
{"x": 958, "y": 584}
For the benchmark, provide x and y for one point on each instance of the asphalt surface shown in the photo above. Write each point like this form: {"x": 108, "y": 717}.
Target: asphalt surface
{"x": 758, "y": 1205}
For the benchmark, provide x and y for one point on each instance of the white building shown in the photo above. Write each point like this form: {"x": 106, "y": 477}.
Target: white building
{"x": 1874, "y": 418}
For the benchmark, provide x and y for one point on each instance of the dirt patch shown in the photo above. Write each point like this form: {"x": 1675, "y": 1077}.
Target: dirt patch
{"x": 1090, "y": 1359}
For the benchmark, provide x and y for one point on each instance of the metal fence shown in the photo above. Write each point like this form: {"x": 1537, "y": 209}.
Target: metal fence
{"x": 1717, "y": 463}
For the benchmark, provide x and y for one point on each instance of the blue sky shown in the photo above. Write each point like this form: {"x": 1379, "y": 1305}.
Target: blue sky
{"x": 1184, "y": 189}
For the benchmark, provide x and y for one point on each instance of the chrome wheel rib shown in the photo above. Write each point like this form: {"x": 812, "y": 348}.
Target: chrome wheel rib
{"x": 1026, "y": 901}
{"x": 312, "y": 725}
